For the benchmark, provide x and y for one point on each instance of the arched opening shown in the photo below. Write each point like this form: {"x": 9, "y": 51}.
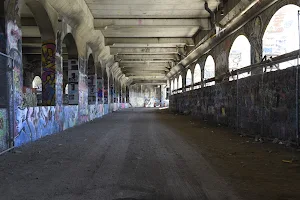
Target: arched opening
{"x": 175, "y": 84}
{"x": 105, "y": 87}
{"x": 37, "y": 86}
{"x": 240, "y": 56}
{"x": 38, "y": 53}
{"x": 100, "y": 83}
{"x": 197, "y": 76}
{"x": 188, "y": 80}
{"x": 70, "y": 70}
{"x": 111, "y": 88}
{"x": 92, "y": 80}
{"x": 180, "y": 83}
{"x": 281, "y": 36}
{"x": 209, "y": 70}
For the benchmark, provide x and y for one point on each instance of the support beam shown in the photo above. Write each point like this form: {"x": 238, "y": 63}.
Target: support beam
{"x": 144, "y": 65}
{"x": 145, "y": 74}
{"x": 109, "y": 41}
{"x": 147, "y": 57}
{"x": 204, "y": 23}
{"x": 115, "y": 51}
{"x": 150, "y": 82}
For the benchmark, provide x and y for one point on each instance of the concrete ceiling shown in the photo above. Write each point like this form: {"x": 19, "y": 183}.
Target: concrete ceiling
{"x": 146, "y": 37}
{"x": 149, "y": 37}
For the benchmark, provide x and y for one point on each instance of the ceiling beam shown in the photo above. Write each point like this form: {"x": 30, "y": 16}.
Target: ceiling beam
{"x": 147, "y": 57}
{"x": 204, "y": 23}
{"x": 110, "y": 41}
{"x": 150, "y": 82}
{"x": 150, "y": 50}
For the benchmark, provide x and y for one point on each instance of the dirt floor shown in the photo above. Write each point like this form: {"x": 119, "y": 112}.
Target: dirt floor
{"x": 256, "y": 170}
{"x": 150, "y": 154}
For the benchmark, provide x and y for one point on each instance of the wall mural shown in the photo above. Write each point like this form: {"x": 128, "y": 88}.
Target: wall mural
{"x": 48, "y": 72}
{"x": 83, "y": 92}
{"x": 105, "y": 109}
{"x": 70, "y": 116}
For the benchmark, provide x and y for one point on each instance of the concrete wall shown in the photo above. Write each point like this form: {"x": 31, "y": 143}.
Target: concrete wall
{"x": 260, "y": 104}
{"x": 27, "y": 123}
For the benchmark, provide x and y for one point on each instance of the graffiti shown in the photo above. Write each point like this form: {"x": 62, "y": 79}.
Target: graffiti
{"x": 83, "y": 92}
{"x": 70, "y": 116}
{"x": 59, "y": 88}
{"x": 14, "y": 36}
{"x": 105, "y": 109}
{"x": 48, "y": 73}
{"x": 29, "y": 97}
{"x": 95, "y": 111}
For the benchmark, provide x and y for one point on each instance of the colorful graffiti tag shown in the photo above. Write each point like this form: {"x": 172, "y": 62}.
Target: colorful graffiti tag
{"x": 48, "y": 72}
{"x": 70, "y": 116}
{"x": 83, "y": 92}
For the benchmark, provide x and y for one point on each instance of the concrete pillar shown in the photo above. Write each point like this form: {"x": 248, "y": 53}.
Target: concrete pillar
{"x": 48, "y": 73}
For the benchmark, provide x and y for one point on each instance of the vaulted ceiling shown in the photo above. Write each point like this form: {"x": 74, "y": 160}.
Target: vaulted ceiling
{"x": 149, "y": 37}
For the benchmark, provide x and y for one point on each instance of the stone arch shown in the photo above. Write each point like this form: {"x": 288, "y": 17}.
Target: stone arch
{"x": 188, "y": 79}
{"x": 92, "y": 80}
{"x": 197, "y": 75}
{"x": 38, "y": 59}
{"x": 239, "y": 55}
{"x": 180, "y": 82}
{"x": 105, "y": 87}
{"x": 209, "y": 70}
{"x": 70, "y": 69}
{"x": 281, "y": 35}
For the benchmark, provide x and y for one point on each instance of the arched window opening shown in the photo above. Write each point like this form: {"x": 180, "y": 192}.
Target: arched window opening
{"x": 281, "y": 36}
{"x": 92, "y": 80}
{"x": 111, "y": 88}
{"x": 34, "y": 37}
{"x": 37, "y": 89}
{"x": 70, "y": 70}
{"x": 172, "y": 86}
{"x": 105, "y": 87}
{"x": 209, "y": 70}
{"x": 175, "y": 84}
{"x": 197, "y": 76}
{"x": 180, "y": 83}
{"x": 240, "y": 56}
{"x": 100, "y": 84}
{"x": 67, "y": 89}
{"x": 188, "y": 80}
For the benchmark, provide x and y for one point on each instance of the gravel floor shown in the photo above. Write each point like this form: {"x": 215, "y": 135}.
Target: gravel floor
{"x": 131, "y": 154}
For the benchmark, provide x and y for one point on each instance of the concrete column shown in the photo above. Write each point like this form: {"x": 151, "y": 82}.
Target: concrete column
{"x": 48, "y": 73}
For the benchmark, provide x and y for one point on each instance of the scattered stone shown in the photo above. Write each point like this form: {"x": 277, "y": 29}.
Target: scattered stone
{"x": 261, "y": 140}
{"x": 275, "y": 141}
{"x": 17, "y": 151}
{"x": 60, "y": 145}
{"x": 281, "y": 143}
{"x": 257, "y": 137}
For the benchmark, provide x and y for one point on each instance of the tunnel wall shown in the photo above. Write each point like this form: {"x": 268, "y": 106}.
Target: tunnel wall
{"x": 265, "y": 104}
